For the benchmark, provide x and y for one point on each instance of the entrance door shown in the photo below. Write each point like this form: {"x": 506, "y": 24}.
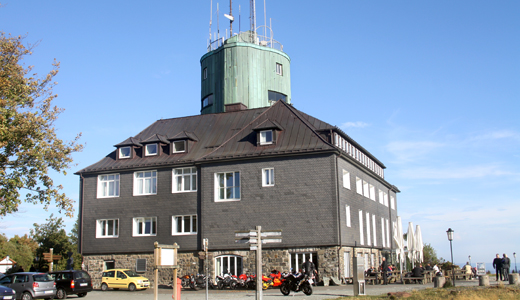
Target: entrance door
{"x": 297, "y": 260}
{"x": 346, "y": 264}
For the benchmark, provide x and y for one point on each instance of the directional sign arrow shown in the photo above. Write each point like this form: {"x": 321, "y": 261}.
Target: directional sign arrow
{"x": 269, "y": 241}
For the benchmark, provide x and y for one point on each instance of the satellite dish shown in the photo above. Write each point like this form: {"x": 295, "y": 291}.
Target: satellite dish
{"x": 231, "y": 18}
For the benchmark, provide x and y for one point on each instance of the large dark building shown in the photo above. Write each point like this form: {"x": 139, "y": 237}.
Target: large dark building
{"x": 250, "y": 158}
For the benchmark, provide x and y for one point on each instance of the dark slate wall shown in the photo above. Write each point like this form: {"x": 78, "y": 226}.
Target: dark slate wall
{"x": 163, "y": 205}
{"x": 302, "y": 203}
{"x": 350, "y": 236}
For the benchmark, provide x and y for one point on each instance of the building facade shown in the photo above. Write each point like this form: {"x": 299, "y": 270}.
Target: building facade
{"x": 249, "y": 159}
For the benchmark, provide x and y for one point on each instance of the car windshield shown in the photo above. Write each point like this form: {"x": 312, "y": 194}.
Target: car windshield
{"x": 81, "y": 275}
{"x": 42, "y": 277}
{"x": 131, "y": 273}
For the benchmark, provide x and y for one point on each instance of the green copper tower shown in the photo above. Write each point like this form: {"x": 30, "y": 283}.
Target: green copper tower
{"x": 246, "y": 68}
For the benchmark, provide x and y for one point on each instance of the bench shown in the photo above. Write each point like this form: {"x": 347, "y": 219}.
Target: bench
{"x": 414, "y": 280}
{"x": 371, "y": 279}
{"x": 462, "y": 275}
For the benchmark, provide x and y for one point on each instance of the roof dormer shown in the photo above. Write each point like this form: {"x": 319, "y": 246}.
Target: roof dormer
{"x": 128, "y": 148}
{"x": 181, "y": 142}
{"x": 154, "y": 145}
{"x": 267, "y": 132}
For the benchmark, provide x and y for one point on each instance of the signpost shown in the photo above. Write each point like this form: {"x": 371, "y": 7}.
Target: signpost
{"x": 255, "y": 239}
{"x": 49, "y": 257}
{"x": 165, "y": 258}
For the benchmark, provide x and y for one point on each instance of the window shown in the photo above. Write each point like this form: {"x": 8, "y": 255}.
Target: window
{"x": 275, "y": 96}
{"x": 383, "y": 231}
{"x": 366, "y": 189}
{"x": 205, "y": 73}
{"x": 361, "y": 236}
{"x": 179, "y": 146}
{"x": 108, "y": 186}
{"x": 140, "y": 265}
{"x": 388, "y": 234}
{"x": 145, "y": 183}
{"x": 372, "y": 192}
{"x": 346, "y": 179}
{"x": 151, "y": 149}
{"x": 228, "y": 263}
{"x": 368, "y": 228}
{"x": 392, "y": 202}
{"x": 385, "y": 199}
{"x": 125, "y": 152}
{"x": 347, "y": 215}
{"x": 184, "y": 180}
{"x": 279, "y": 69}
{"x": 107, "y": 228}
{"x": 266, "y": 137}
{"x": 374, "y": 229}
{"x": 145, "y": 226}
{"x": 381, "y": 200}
{"x": 359, "y": 186}
{"x": 268, "y": 177}
{"x": 184, "y": 225}
{"x": 207, "y": 101}
{"x": 227, "y": 186}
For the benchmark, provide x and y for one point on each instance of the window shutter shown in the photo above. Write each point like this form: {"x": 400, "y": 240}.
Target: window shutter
{"x": 140, "y": 265}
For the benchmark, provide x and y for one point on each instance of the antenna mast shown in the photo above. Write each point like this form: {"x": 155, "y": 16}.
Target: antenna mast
{"x": 252, "y": 14}
{"x": 230, "y": 19}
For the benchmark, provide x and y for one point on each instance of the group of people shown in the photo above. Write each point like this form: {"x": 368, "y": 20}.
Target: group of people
{"x": 501, "y": 265}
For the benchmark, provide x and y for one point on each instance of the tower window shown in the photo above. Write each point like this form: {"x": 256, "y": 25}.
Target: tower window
{"x": 275, "y": 96}
{"x": 279, "y": 69}
{"x": 207, "y": 101}
{"x": 205, "y": 73}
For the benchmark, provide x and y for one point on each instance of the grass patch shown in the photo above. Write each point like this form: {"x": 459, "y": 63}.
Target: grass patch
{"x": 459, "y": 293}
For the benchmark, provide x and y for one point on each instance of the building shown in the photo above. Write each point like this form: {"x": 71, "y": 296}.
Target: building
{"x": 250, "y": 158}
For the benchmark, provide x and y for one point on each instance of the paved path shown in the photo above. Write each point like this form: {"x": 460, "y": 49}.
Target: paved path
{"x": 320, "y": 292}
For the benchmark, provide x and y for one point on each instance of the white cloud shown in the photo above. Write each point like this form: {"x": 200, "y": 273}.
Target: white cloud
{"x": 406, "y": 151}
{"x": 357, "y": 124}
{"x": 454, "y": 173}
{"x": 497, "y": 135}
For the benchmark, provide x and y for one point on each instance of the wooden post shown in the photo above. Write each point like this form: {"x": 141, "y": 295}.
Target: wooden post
{"x": 52, "y": 261}
{"x": 259, "y": 280}
{"x": 156, "y": 254}
{"x": 174, "y": 296}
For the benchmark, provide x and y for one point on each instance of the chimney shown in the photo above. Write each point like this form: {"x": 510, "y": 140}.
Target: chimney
{"x": 235, "y": 107}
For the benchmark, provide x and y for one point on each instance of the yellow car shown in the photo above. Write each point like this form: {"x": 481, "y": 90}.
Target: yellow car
{"x": 123, "y": 279}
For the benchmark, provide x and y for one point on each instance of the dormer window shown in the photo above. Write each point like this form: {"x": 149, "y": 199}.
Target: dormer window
{"x": 151, "y": 149}
{"x": 179, "y": 146}
{"x": 125, "y": 152}
{"x": 266, "y": 137}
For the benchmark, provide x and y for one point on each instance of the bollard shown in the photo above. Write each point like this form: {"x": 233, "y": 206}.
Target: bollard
{"x": 439, "y": 281}
{"x": 483, "y": 280}
{"x": 514, "y": 278}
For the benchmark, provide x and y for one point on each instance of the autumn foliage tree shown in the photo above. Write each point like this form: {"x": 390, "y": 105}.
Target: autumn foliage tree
{"x": 29, "y": 146}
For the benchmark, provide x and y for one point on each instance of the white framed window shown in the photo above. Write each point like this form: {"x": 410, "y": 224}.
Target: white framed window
{"x": 346, "y": 179}
{"x": 108, "y": 186}
{"x": 266, "y": 137}
{"x": 392, "y": 202}
{"x": 227, "y": 186}
{"x": 145, "y": 226}
{"x": 279, "y": 69}
{"x": 383, "y": 238}
{"x": 361, "y": 236}
{"x": 359, "y": 186}
{"x": 125, "y": 152}
{"x": 151, "y": 149}
{"x": 372, "y": 192}
{"x": 268, "y": 177}
{"x": 368, "y": 228}
{"x": 381, "y": 197}
{"x": 145, "y": 183}
{"x": 184, "y": 180}
{"x": 179, "y": 146}
{"x": 184, "y": 225}
{"x": 108, "y": 228}
{"x": 228, "y": 263}
{"x": 366, "y": 190}
{"x": 385, "y": 199}
{"x": 388, "y": 234}
{"x": 347, "y": 215}
{"x": 374, "y": 229}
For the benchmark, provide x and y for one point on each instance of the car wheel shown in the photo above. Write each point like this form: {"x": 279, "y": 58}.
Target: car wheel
{"x": 131, "y": 287}
{"x": 26, "y": 296}
{"x": 61, "y": 294}
{"x": 82, "y": 294}
{"x": 104, "y": 287}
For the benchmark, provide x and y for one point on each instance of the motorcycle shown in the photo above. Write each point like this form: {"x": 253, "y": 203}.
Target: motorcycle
{"x": 296, "y": 283}
{"x": 226, "y": 280}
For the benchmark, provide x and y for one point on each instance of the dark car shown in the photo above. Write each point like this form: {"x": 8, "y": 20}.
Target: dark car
{"x": 29, "y": 285}
{"x": 71, "y": 282}
{"x": 7, "y": 293}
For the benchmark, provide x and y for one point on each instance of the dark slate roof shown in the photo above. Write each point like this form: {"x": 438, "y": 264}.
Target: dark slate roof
{"x": 229, "y": 135}
{"x": 156, "y": 138}
{"x": 129, "y": 142}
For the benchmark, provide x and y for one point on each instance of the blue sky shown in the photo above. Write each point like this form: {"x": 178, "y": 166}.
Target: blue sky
{"x": 429, "y": 87}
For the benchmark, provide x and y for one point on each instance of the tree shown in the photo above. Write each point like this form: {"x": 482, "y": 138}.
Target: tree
{"x": 29, "y": 146}
{"x": 19, "y": 249}
{"x": 430, "y": 255}
{"x": 51, "y": 235}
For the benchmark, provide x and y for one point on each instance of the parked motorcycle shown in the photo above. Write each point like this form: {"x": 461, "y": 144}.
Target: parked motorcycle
{"x": 226, "y": 280}
{"x": 296, "y": 283}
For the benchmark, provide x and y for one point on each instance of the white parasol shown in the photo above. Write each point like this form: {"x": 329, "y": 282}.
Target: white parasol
{"x": 410, "y": 238}
{"x": 419, "y": 244}
{"x": 398, "y": 238}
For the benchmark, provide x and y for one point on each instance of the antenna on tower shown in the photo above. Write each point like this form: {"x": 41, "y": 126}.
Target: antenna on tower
{"x": 231, "y": 18}
{"x": 210, "y": 19}
{"x": 252, "y": 15}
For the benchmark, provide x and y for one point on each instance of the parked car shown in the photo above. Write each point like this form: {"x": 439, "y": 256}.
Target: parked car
{"x": 123, "y": 279}
{"x": 7, "y": 293}
{"x": 71, "y": 282}
{"x": 29, "y": 285}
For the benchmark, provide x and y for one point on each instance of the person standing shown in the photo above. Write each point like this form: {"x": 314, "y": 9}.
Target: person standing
{"x": 384, "y": 267}
{"x": 309, "y": 268}
{"x": 506, "y": 262}
{"x": 497, "y": 264}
